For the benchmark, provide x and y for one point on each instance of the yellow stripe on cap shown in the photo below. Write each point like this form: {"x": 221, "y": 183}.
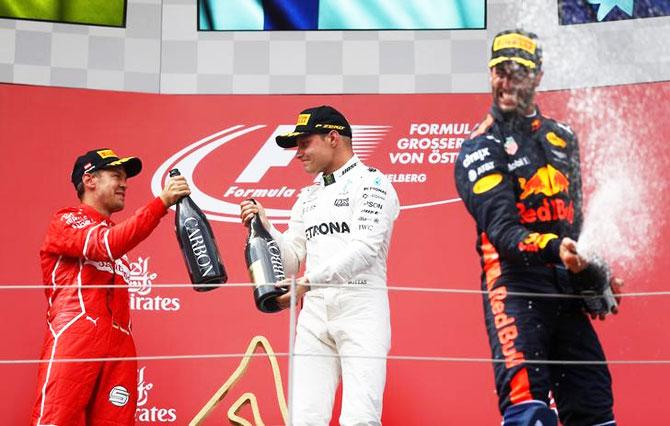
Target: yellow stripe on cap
{"x": 487, "y": 183}
{"x": 500, "y": 59}
{"x": 106, "y": 153}
{"x": 303, "y": 119}
{"x": 514, "y": 41}
{"x": 329, "y": 126}
{"x": 120, "y": 161}
{"x": 291, "y": 134}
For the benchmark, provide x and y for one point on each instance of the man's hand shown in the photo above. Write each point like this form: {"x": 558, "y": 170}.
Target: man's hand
{"x": 175, "y": 189}
{"x": 615, "y": 285}
{"x": 571, "y": 259}
{"x": 301, "y": 287}
{"x": 483, "y": 126}
{"x": 249, "y": 208}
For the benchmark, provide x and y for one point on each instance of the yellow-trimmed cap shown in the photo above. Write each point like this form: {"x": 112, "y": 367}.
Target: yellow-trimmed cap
{"x": 100, "y": 159}
{"x": 320, "y": 119}
{"x": 517, "y": 46}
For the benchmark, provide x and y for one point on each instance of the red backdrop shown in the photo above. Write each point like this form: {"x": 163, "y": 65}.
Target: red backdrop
{"x": 224, "y": 145}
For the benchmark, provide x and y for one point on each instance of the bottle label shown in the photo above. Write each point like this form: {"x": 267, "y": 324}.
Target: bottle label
{"x": 275, "y": 259}
{"x": 198, "y": 246}
{"x": 257, "y": 274}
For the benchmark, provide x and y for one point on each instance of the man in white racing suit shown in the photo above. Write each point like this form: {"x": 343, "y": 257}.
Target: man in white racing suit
{"x": 342, "y": 225}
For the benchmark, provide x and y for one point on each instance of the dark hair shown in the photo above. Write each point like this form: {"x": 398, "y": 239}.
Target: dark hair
{"x": 81, "y": 188}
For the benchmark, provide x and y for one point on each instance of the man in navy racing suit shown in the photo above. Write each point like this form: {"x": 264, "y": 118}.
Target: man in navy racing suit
{"x": 519, "y": 177}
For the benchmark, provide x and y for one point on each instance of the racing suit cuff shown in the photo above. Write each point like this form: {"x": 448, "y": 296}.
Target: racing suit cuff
{"x": 313, "y": 278}
{"x": 551, "y": 253}
{"x": 156, "y": 207}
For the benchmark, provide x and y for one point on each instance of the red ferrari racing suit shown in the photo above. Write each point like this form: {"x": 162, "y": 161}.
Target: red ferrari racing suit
{"x": 84, "y": 248}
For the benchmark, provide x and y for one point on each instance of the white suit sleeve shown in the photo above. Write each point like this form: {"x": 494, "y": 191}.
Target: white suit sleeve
{"x": 292, "y": 242}
{"x": 375, "y": 209}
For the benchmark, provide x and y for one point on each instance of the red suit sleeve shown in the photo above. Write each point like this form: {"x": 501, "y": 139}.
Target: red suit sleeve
{"x": 72, "y": 234}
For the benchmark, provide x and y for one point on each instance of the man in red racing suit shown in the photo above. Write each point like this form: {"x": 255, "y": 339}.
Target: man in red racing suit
{"x": 83, "y": 259}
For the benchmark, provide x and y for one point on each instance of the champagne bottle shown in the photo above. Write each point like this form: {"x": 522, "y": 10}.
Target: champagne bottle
{"x": 197, "y": 244}
{"x": 265, "y": 266}
{"x": 593, "y": 284}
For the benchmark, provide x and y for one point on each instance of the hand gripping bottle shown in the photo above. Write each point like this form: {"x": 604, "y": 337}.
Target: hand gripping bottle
{"x": 198, "y": 245}
{"x": 593, "y": 284}
{"x": 265, "y": 266}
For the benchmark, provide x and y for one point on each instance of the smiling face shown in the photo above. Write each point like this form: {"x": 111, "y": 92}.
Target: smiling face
{"x": 513, "y": 87}
{"x": 316, "y": 153}
{"x": 106, "y": 189}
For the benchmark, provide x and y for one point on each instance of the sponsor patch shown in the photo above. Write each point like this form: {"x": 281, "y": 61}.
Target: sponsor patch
{"x": 475, "y": 156}
{"x": 487, "y": 183}
{"x": 149, "y": 413}
{"x": 329, "y": 126}
{"x": 106, "y": 153}
{"x": 75, "y": 221}
{"x": 535, "y": 241}
{"x": 303, "y": 119}
{"x": 119, "y": 396}
{"x": 519, "y": 162}
{"x": 511, "y": 147}
{"x": 349, "y": 168}
{"x": 328, "y": 179}
{"x": 535, "y": 124}
{"x": 486, "y": 167}
{"x": 556, "y": 140}
{"x": 559, "y": 154}
{"x": 547, "y": 180}
{"x": 327, "y": 228}
{"x": 514, "y": 41}
{"x": 140, "y": 279}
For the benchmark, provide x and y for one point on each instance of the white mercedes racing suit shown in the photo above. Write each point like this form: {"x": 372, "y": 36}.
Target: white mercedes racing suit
{"x": 342, "y": 225}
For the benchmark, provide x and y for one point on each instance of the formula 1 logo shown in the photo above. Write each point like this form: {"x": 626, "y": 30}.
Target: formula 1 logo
{"x": 243, "y": 161}
{"x": 251, "y": 182}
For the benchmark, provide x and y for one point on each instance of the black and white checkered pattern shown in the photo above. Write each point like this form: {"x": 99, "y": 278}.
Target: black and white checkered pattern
{"x": 161, "y": 51}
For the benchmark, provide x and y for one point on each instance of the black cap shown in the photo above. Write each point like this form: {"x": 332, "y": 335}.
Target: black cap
{"x": 100, "y": 159}
{"x": 518, "y": 46}
{"x": 320, "y": 119}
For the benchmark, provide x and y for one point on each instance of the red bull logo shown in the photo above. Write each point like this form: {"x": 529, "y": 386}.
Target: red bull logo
{"x": 506, "y": 328}
{"x": 546, "y": 180}
{"x": 549, "y": 211}
{"x": 534, "y": 242}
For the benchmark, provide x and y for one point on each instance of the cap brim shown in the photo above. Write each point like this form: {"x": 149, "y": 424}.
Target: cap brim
{"x": 132, "y": 165}
{"x": 289, "y": 140}
{"x": 521, "y": 61}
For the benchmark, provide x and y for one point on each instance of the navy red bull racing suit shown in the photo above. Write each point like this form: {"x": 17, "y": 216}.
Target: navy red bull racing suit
{"x": 520, "y": 180}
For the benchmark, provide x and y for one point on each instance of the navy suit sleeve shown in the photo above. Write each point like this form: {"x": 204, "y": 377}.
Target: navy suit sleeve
{"x": 487, "y": 189}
